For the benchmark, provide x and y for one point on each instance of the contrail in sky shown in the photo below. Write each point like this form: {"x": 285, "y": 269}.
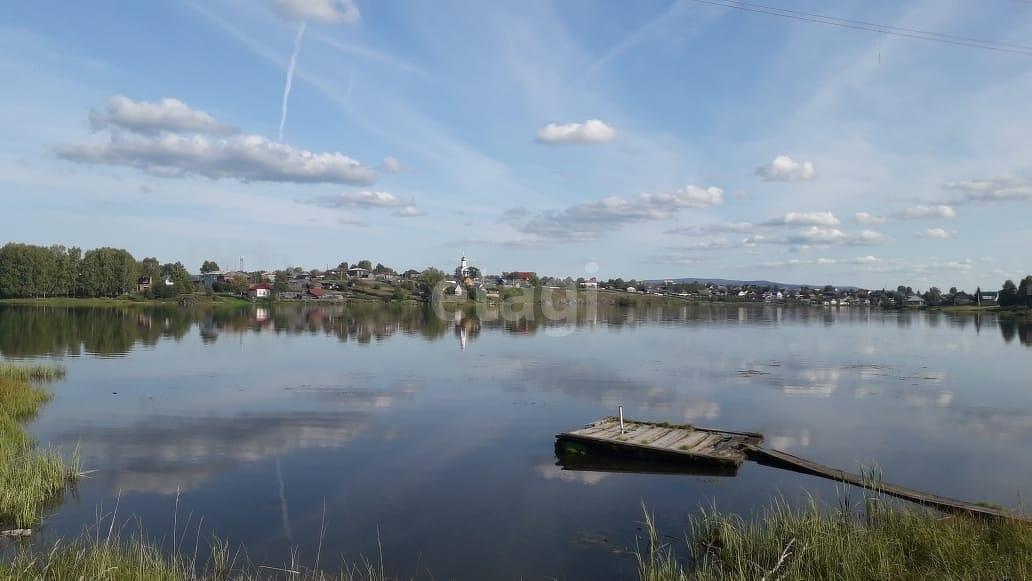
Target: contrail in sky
{"x": 290, "y": 78}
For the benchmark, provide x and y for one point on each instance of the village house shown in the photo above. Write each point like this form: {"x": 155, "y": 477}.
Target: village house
{"x": 914, "y": 301}
{"x": 358, "y": 272}
{"x": 262, "y": 290}
{"x": 988, "y": 298}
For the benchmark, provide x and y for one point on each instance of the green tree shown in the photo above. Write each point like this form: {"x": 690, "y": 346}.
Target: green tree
{"x": 240, "y": 284}
{"x": 280, "y": 282}
{"x": 149, "y": 267}
{"x": 1023, "y": 297}
{"x": 107, "y": 272}
{"x": 933, "y": 296}
{"x": 1009, "y": 294}
{"x": 366, "y": 264}
{"x": 182, "y": 283}
{"x": 429, "y": 279}
{"x": 210, "y": 266}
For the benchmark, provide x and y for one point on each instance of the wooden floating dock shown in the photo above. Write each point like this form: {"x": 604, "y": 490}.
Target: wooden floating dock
{"x": 656, "y": 440}
{"x": 661, "y": 448}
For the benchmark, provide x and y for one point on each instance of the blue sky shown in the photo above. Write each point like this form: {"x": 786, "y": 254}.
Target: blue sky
{"x": 646, "y": 139}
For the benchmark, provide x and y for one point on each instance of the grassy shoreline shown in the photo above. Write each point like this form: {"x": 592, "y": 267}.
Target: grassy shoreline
{"x": 870, "y": 541}
{"x": 30, "y": 478}
{"x": 874, "y": 540}
{"x": 192, "y": 300}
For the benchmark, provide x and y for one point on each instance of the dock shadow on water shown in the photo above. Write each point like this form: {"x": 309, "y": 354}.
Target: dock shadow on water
{"x": 412, "y": 434}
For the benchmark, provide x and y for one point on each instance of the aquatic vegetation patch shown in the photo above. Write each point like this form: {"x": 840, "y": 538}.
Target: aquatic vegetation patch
{"x": 874, "y": 541}
{"x": 110, "y": 558}
{"x": 30, "y": 478}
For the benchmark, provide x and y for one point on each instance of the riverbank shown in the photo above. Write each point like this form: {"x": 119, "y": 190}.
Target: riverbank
{"x": 30, "y": 478}
{"x": 875, "y": 540}
{"x": 869, "y": 541}
{"x": 198, "y": 300}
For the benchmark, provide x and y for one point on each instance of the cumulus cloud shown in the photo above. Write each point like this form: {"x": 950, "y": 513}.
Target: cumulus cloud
{"x": 244, "y": 157}
{"x": 821, "y": 236}
{"x": 168, "y": 138}
{"x": 408, "y": 212}
{"x": 937, "y": 233}
{"x": 803, "y": 219}
{"x": 865, "y": 260}
{"x": 392, "y": 165}
{"x": 324, "y": 11}
{"x": 927, "y": 212}
{"x": 591, "y": 131}
{"x": 149, "y": 118}
{"x": 587, "y": 221}
{"x": 721, "y": 228}
{"x": 867, "y": 218}
{"x": 786, "y": 169}
{"x": 362, "y": 199}
{"x": 795, "y": 262}
{"x": 999, "y": 189}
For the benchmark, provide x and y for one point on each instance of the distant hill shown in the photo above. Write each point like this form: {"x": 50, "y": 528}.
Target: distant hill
{"x": 732, "y": 282}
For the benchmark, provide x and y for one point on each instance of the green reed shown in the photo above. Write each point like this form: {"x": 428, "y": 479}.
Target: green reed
{"x": 31, "y": 479}
{"x": 875, "y": 540}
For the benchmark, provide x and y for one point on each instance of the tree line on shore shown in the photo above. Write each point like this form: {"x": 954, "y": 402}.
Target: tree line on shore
{"x": 29, "y": 271}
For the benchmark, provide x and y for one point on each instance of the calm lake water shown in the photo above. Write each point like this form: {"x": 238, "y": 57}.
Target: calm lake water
{"x": 435, "y": 439}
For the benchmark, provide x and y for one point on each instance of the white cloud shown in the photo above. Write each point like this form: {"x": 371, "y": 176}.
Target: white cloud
{"x": 587, "y": 221}
{"x": 168, "y": 138}
{"x": 926, "y": 212}
{"x": 803, "y": 219}
{"x": 687, "y": 197}
{"x": 866, "y": 218}
{"x": 937, "y": 233}
{"x": 325, "y": 11}
{"x": 243, "y": 157}
{"x": 795, "y": 262}
{"x": 150, "y": 118}
{"x": 786, "y": 169}
{"x": 591, "y": 131}
{"x": 408, "y": 212}
{"x": 822, "y": 236}
{"x": 732, "y": 227}
{"x": 998, "y": 189}
{"x": 392, "y": 165}
{"x": 363, "y": 199}
{"x": 866, "y": 260}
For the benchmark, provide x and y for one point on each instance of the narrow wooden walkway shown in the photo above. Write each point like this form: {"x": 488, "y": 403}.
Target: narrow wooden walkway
{"x": 687, "y": 445}
{"x": 779, "y": 459}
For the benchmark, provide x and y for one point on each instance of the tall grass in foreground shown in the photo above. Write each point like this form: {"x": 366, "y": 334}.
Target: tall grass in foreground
{"x": 875, "y": 541}
{"x": 114, "y": 559}
{"x": 31, "y": 372}
{"x": 30, "y": 478}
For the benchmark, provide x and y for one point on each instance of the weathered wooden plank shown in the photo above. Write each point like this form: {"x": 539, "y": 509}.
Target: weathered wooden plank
{"x": 670, "y": 440}
{"x": 633, "y": 432}
{"x": 596, "y": 428}
{"x": 646, "y": 438}
{"x": 607, "y": 434}
{"x": 687, "y": 442}
{"x": 643, "y": 437}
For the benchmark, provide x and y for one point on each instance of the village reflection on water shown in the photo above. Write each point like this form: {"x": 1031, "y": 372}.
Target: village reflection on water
{"x": 114, "y": 332}
{"x": 420, "y": 434}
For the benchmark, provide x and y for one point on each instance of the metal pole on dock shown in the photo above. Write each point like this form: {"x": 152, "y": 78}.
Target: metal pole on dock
{"x": 621, "y": 420}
